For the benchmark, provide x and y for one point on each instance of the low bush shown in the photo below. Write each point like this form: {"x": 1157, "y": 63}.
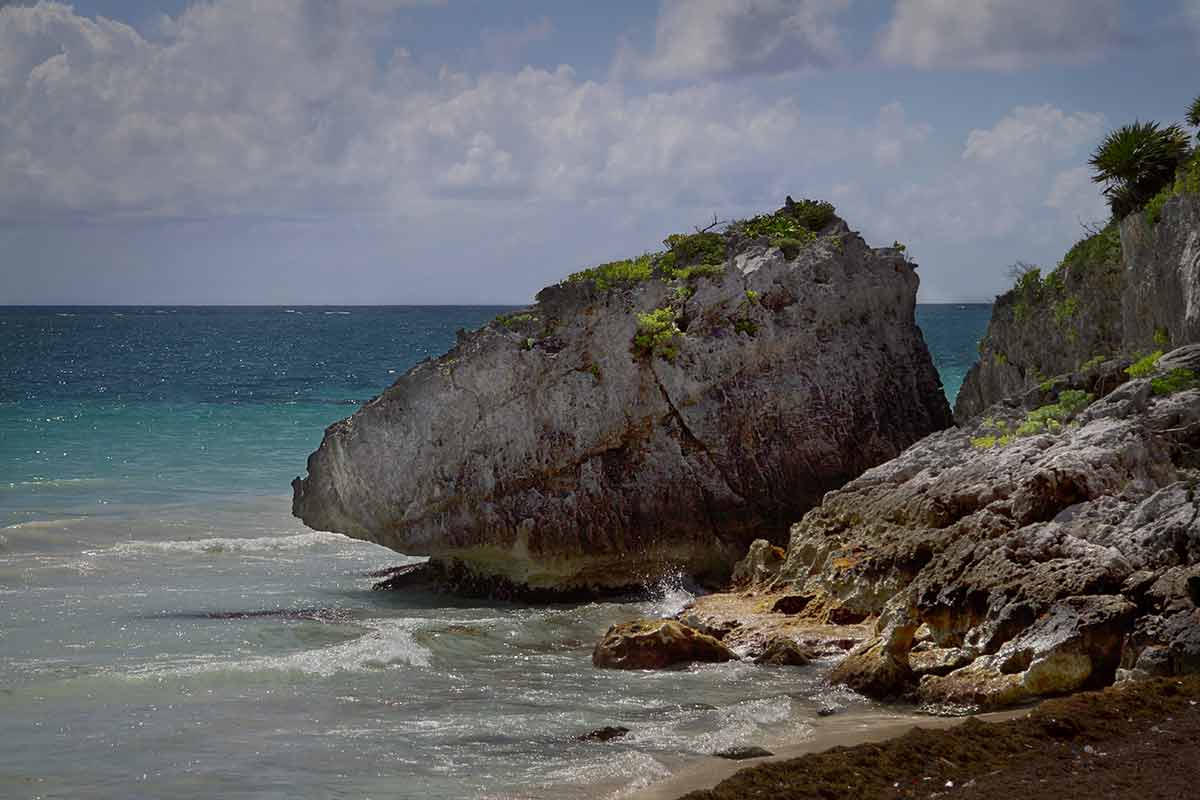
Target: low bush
{"x": 657, "y": 334}
{"x": 1144, "y": 366}
{"x": 617, "y": 273}
{"x": 1177, "y": 380}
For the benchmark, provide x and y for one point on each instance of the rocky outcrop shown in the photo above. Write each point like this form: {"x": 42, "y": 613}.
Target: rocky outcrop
{"x": 1050, "y": 546}
{"x": 656, "y": 644}
{"x": 642, "y": 417}
{"x": 1130, "y": 289}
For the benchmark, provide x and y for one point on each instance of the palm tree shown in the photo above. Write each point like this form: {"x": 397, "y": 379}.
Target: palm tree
{"x": 1193, "y": 115}
{"x": 1136, "y": 161}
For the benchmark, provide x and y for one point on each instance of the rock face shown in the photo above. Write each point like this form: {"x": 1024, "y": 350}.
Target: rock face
{"x": 655, "y": 644}
{"x": 1140, "y": 297}
{"x": 1005, "y": 566}
{"x": 546, "y": 453}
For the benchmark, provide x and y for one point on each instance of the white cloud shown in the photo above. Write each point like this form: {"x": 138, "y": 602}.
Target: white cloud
{"x": 271, "y": 111}
{"x": 1029, "y": 136}
{"x": 1000, "y": 34}
{"x": 1074, "y": 192}
{"x": 699, "y": 38}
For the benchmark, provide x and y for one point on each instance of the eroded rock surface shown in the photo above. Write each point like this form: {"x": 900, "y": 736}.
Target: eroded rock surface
{"x": 545, "y": 454}
{"x": 655, "y": 644}
{"x": 1004, "y": 567}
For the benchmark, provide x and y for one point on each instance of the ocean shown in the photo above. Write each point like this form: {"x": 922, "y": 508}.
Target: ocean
{"x": 167, "y": 629}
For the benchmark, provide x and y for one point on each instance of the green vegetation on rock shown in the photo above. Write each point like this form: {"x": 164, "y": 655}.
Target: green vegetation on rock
{"x": 1187, "y": 179}
{"x": 515, "y": 319}
{"x": 1102, "y": 247}
{"x": 617, "y": 273}
{"x": 1137, "y": 161}
{"x": 657, "y": 334}
{"x": 1046, "y": 419}
{"x": 1177, "y": 380}
{"x": 1144, "y": 366}
{"x": 791, "y": 228}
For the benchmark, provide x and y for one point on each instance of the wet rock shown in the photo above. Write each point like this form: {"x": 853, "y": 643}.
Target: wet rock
{"x": 784, "y": 652}
{"x": 760, "y": 566}
{"x": 655, "y": 644}
{"x": 743, "y": 753}
{"x": 606, "y": 734}
{"x": 792, "y": 604}
{"x": 546, "y": 454}
{"x": 405, "y": 578}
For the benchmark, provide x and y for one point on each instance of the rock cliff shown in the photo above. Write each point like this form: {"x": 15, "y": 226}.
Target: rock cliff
{"x": 1131, "y": 288}
{"x": 643, "y": 416}
{"x": 1041, "y": 549}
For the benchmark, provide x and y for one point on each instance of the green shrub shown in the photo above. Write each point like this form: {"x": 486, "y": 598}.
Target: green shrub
{"x": 616, "y": 273}
{"x": 1050, "y": 418}
{"x": 746, "y": 326}
{"x": 752, "y": 297}
{"x": 1144, "y": 366}
{"x": 698, "y": 271}
{"x": 657, "y": 334}
{"x": 1135, "y": 162}
{"x": 684, "y": 293}
{"x": 1162, "y": 337}
{"x": 695, "y": 248}
{"x": 1177, "y": 380}
{"x": 1092, "y": 363}
{"x": 1065, "y": 310}
{"x": 1187, "y": 180}
{"x": 513, "y": 320}
{"x": 1101, "y": 248}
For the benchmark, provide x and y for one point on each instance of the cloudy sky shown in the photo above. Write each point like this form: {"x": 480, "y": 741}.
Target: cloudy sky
{"x": 410, "y": 151}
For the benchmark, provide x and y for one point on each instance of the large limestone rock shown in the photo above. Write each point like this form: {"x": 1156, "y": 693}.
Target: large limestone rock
{"x": 544, "y": 454}
{"x": 1005, "y": 567}
{"x": 1136, "y": 298}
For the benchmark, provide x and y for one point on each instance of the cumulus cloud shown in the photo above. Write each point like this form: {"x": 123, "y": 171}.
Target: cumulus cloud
{"x": 703, "y": 38}
{"x": 1000, "y": 34}
{"x": 274, "y": 110}
{"x": 1030, "y": 136}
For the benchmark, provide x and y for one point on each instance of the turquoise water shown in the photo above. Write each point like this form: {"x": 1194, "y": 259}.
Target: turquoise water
{"x": 167, "y": 629}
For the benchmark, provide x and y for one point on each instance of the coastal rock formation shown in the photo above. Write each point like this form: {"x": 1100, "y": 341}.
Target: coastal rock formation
{"x": 655, "y": 644}
{"x": 644, "y": 416}
{"x": 1048, "y": 547}
{"x": 1132, "y": 288}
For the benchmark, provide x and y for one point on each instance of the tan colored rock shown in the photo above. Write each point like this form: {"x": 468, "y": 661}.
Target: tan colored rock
{"x": 655, "y": 644}
{"x": 760, "y": 566}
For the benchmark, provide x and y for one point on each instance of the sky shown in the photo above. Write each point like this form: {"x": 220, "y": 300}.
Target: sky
{"x": 473, "y": 151}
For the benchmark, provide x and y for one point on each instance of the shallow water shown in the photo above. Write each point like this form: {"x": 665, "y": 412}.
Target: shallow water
{"x": 167, "y": 629}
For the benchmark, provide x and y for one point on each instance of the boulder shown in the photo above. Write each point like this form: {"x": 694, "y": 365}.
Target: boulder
{"x": 1005, "y": 566}
{"x": 785, "y": 652}
{"x": 655, "y": 644}
{"x": 760, "y": 566}
{"x": 635, "y": 424}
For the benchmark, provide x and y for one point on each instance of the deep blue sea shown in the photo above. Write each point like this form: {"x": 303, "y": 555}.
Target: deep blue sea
{"x": 145, "y": 462}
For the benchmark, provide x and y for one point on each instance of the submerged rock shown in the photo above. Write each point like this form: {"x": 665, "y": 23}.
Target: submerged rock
{"x": 655, "y": 644}
{"x": 1008, "y": 560}
{"x": 743, "y": 752}
{"x": 606, "y": 734}
{"x": 645, "y": 417}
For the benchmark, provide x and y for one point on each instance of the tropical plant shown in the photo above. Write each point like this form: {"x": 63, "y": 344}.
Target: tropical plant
{"x": 1136, "y": 161}
{"x": 1193, "y": 114}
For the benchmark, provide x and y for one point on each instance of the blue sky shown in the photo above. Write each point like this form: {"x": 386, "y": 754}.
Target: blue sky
{"x": 473, "y": 151}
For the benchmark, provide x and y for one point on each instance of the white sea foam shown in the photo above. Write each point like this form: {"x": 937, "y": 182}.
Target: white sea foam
{"x": 44, "y": 524}
{"x": 312, "y": 541}
{"x": 388, "y": 643}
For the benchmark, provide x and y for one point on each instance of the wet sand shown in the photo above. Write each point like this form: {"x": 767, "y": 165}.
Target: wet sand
{"x": 1139, "y": 740}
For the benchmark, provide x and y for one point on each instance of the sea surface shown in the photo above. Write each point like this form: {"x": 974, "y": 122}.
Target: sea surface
{"x": 167, "y": 629}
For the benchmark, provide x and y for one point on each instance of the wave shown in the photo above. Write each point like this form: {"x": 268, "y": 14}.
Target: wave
{"x": 340, "y": 313}
{"x": 387, "y": 644}
{"x": 45, "y": 524}
{"x": 313, "y": 540}
{"x": 57, "y": 483}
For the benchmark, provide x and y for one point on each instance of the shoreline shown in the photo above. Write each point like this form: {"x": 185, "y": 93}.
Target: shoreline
{"x": 849, "y": 731}
{"x": 1136, "y": 739}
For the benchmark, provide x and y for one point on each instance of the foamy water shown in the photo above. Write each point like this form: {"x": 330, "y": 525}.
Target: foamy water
{"x": 168, "y": 630}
